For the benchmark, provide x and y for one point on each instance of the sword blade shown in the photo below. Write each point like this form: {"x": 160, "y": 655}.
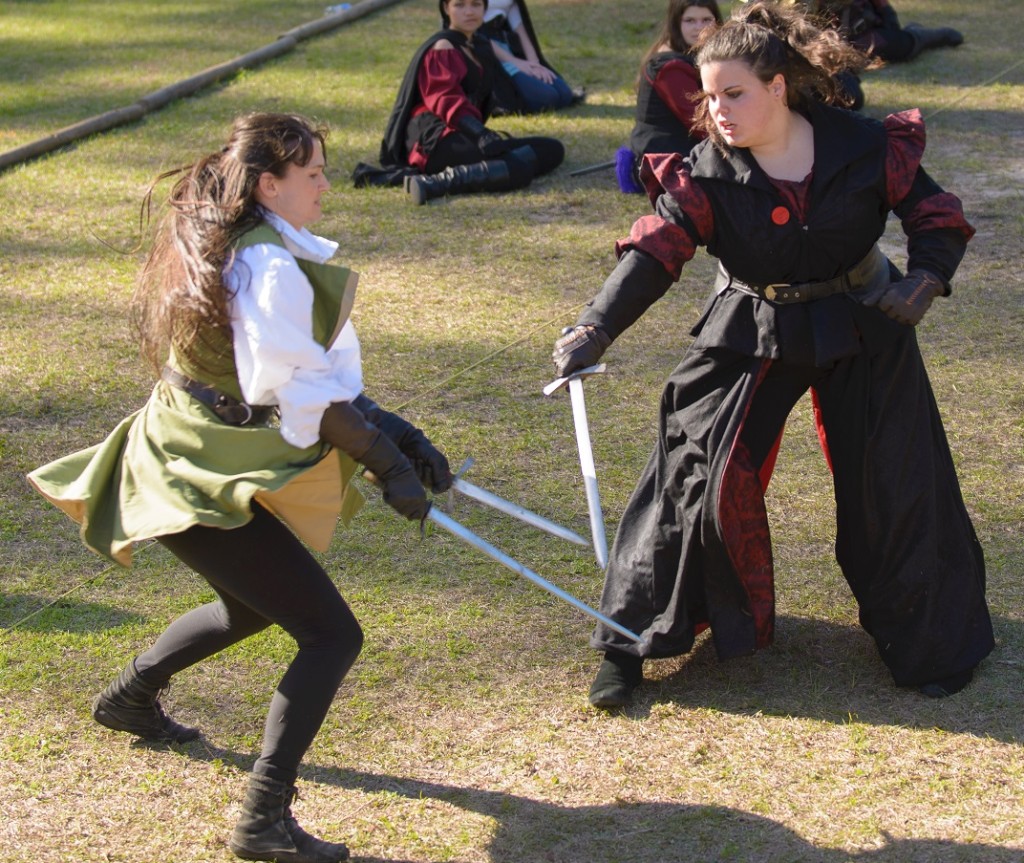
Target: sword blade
{"x": 517, "y": 511}
{"x": 452, "y": 526}
{"x": 579, "y": 416}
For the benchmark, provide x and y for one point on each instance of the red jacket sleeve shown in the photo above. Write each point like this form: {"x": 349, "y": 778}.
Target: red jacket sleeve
{"x": 682, "y": 217}
{"x": 933, "y": 219}
{"x": 440, "y": 82}
{"x": 675, "y": 83}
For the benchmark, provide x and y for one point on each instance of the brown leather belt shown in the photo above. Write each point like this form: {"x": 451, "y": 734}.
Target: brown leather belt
{"x": 873, "y": 266}
{"x": 229, "y": 410}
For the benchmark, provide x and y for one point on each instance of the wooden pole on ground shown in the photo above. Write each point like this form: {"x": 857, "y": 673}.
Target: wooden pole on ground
{"x": 159, "y": 98}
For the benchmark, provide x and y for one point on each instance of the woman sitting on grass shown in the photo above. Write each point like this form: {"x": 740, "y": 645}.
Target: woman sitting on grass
{"x": 666, "y": 87}
{"x": 437, "y": 126}
{"x": 529, "y": 84}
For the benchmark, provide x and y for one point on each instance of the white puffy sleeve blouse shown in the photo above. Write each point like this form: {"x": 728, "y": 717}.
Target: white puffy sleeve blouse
{"x": 277, "y": 359}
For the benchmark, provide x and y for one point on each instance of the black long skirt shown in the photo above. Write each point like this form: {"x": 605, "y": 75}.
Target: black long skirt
{"x": 693, "y": 548}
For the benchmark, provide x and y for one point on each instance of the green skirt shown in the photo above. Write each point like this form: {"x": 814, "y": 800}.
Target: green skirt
{"x": 174, "y": 464}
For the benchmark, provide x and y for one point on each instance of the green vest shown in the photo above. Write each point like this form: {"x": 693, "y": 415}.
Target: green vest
{"x": 174, "y": 464}
{"x": 334, "y": 290}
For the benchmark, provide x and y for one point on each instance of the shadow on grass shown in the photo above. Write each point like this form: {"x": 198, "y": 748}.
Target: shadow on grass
{"x": 832, "y": 672}
{"x": 31, "y": 613}
{"x": 626, "y": 832}
{"x": 646, "y": 832}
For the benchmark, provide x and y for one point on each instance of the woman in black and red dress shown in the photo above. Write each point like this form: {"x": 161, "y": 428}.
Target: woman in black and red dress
{"x": 791, "y": 195}
{"x": 437, "y": 125}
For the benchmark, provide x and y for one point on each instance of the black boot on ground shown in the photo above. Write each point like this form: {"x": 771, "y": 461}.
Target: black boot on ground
{"x": 267, "y": 829}
{"x": 932, "y": 37}
{"x": 131, "y": 704}
{"x": 490, "y": 176}
{"x": 948, "y": 685}
{"x": 616, "y": 679}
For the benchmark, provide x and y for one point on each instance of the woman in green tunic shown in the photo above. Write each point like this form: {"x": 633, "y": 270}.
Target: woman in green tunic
{"x": 247, "y": 445}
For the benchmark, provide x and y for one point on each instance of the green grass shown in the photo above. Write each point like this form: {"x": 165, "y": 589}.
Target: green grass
{"x": 462, "y": 733}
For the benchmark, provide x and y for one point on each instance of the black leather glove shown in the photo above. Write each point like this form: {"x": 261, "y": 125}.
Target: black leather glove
{"x": 396, "y": 477}
{"x": 345, "y": 426}
{"x": 579, "y": 347}
{"x": 428, "y": 461}
{"x": 908, "y": 299}
{"x": 490, "y": 143}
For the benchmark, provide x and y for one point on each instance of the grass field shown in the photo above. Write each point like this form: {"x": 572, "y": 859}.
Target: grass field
{"x": 463, "y": 732}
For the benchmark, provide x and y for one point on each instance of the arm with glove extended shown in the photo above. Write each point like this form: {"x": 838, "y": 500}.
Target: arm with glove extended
{"x": 652, "y": 258}
{"x": 428, "y": 461}
{"x": 348, "y": 428}
{"x": 635, "y": 284}
{"x": 937, "y": 236}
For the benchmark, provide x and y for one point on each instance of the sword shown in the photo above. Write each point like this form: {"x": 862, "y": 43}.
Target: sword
{"x": 579, "y": 415}
{"x": 591, "y": 169}
{"x": 452, "y": 526}
{"x": 506, "y": 506}
{"x": 516, "y": 511}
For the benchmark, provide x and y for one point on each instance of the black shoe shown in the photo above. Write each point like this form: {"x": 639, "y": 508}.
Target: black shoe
{"x": 490, "y": 176}
{"x": 947, "y": 685}
{"x": 267, "y": 830}
{"x": 926, "y": 38}
{"x": 616, "y": 679}
{"x": 131, "y": 704}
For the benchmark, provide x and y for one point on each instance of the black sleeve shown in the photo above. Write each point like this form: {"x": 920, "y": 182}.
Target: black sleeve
{"x": 937, "y": 232}
{"x": 636, "y": 283}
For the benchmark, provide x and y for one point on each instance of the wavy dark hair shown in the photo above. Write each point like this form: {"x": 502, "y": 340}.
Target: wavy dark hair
{"x": 773, "y": 39}
{"x": 671, "y": 33}
{"x": 181, "y": 302}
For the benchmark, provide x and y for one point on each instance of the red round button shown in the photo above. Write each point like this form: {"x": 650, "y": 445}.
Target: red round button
{"x": 780, "y": 215}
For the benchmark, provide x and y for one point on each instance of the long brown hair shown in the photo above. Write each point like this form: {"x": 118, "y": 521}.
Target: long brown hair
{"x": 671, "y": 33}
{"x": 773, "y": 39}
{"x": 180, "y": 301}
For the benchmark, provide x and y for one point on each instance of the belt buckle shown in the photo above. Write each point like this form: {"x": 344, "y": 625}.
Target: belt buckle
{"x": 769, "y": 290}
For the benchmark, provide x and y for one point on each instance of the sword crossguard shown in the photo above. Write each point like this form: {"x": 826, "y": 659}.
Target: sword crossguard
{"x": 560, "y": 383}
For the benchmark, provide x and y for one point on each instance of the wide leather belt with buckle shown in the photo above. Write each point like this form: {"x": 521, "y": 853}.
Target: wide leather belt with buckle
{"x": 229, "y": 410}
{"x": 872, "y": 266}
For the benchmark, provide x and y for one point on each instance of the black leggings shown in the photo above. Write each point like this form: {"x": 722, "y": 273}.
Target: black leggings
{"x": 458, "y": 149}
{"x": 263, "y": 575}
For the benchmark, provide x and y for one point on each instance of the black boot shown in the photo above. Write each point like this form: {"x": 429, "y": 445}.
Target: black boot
{"x": 936, "y": 37}
{"x": 616, "y": 679}
{"x": 268, "y": 831}
{"x": 131, "y": 704}
{"x": 947, "y": 685}
{"x": 490, "y": 176}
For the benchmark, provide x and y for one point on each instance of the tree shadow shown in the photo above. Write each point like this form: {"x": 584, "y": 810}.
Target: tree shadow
{"x": 623, "y": 831}
{"x": 646, "y": 832}
{"x": 31, "y": 613}
{"x": 831, "y": 672}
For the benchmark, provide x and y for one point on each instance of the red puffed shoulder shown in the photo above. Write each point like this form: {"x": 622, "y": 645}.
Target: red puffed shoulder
{"x": 658, "y": 172}
{"x": 905, "y": 131}
{"x": 665, "y": 173}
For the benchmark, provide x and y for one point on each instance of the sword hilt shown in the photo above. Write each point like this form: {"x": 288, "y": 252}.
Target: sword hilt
{"x": 560, "y": 383}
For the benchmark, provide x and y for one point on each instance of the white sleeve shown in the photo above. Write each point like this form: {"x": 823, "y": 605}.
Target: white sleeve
{"x": 277, "y": 359}
{"x": 515, "y": 20}
{"x": 508, "y": 8}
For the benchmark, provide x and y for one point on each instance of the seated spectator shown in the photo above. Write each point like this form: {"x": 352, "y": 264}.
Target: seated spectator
{"x": 874, "y": 27}
{"x": 436, "y": 141}
{"x": 666, "y": 85}
{"x": 528, "y": 83}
